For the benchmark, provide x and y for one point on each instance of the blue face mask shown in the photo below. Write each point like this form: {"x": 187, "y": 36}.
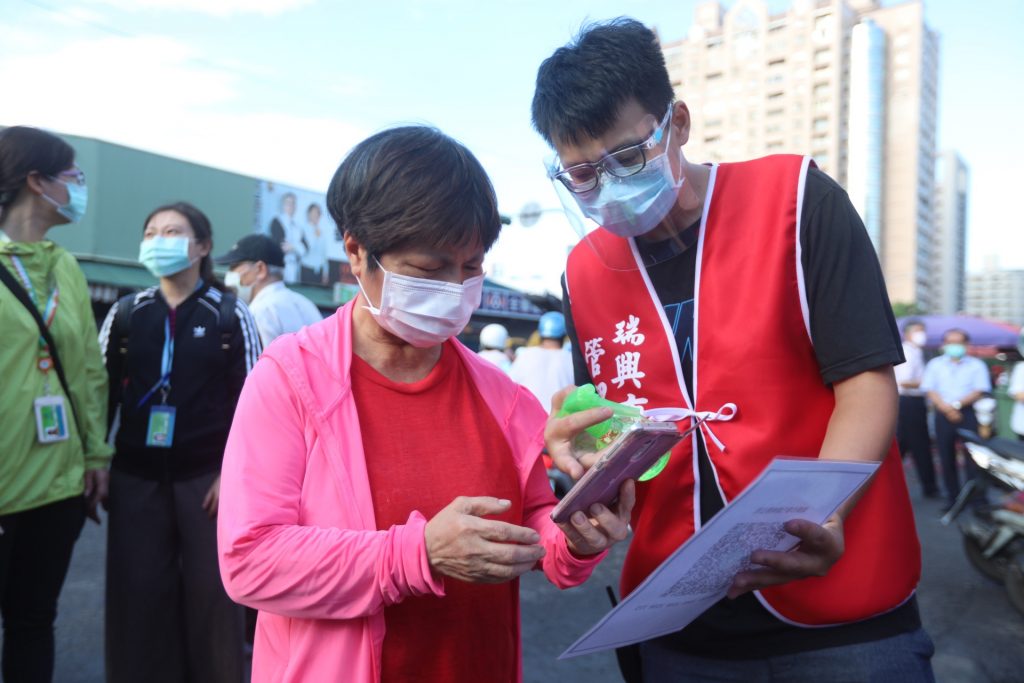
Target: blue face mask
{"x": 165, "y": 256}
{"x": 955, "y": 351}
{"x": 78, "y": 200}
{"x": 634, "y": 205}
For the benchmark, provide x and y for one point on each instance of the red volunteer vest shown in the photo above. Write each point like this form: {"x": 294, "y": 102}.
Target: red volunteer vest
{"x": 751, "y": 347}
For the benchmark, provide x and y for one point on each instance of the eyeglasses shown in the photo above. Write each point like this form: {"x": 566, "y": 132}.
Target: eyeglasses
{"x": 75, "y": 175}
{"x": 621, "y": 163}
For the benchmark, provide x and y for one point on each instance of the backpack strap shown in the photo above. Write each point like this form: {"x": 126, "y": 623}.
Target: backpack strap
{"x": 227, "y": 320}
{"x": 123, "y": 322}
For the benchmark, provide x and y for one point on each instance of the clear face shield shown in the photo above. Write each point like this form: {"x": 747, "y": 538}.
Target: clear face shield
{"x": 631, "y": 183}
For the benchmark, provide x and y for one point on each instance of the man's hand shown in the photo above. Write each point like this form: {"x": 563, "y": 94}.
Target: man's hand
{"x": 560, "y": 433}
{"x": 604, "y": 528}
{"x": 953, "y": 415}
{"x": 212, "y": 500}
{"x": 97, "y": 486}
{"x": 820, "y": 547}
{"x": 462, "y": 545}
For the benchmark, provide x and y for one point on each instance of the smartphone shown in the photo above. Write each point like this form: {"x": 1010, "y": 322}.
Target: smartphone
{"x": 627, "y": 457}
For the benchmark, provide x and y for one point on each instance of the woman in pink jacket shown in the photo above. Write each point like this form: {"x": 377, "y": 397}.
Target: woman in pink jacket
{"x": 382, "y": 487}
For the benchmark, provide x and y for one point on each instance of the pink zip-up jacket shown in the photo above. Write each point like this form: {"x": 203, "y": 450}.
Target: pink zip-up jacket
{"x": 296, "y": 533}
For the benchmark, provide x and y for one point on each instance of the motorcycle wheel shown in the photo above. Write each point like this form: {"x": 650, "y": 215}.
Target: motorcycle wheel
{"x": 1014, "y": 582}
{"x": 994, "y": 568}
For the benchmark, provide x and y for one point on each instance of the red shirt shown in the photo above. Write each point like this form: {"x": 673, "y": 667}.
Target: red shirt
{"x": 427, "y": 443}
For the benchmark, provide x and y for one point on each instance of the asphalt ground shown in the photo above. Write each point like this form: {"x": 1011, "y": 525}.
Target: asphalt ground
{"x": 979, "y": 637}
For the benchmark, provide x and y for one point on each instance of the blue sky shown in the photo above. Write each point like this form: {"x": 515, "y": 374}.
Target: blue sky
{"x": 280, "y": 89}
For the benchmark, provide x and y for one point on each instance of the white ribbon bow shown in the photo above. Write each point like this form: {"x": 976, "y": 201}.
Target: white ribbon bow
{"x": 703, "y": 417}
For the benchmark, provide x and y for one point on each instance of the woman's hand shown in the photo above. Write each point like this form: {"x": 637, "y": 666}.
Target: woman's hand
{"x": 463, "y": 545}
{"x": 604, "y": 528}
{"x": 212, "y": 499}
{"x": 97, "y": 486}
{"x": 560, "y": 432}
{"x": 820, "y": 547}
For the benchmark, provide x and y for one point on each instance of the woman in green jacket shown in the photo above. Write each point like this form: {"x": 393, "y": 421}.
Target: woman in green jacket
{"x": 52, "y": 427}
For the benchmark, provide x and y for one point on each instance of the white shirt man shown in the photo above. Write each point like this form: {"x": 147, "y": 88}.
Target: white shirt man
{"x": 912, "y": 428}
{"x": 546, "y": 368}
{"x": 1016, "y": 392}
{"x": 257, "y": 266}
{"x": 953, "y": 382}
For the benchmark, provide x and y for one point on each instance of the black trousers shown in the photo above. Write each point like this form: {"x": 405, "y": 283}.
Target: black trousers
{"x": 168, "y": 618}
{"x": 912, "y": 434}
{"x": 35, "y": 551}
{"x": 945, "y": 440}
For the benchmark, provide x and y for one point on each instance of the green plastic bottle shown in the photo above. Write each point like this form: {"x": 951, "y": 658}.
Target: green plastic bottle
{"x": 603, "y": 433}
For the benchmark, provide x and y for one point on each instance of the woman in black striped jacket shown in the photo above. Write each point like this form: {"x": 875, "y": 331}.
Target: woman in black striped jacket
{"x": 177, "y": 355}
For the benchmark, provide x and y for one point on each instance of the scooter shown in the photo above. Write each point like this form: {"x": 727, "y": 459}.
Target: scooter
{"x": 994, "y": 530}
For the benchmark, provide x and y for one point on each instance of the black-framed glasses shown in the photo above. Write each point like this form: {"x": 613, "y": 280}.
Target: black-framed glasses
{"x": 621, "y": 163}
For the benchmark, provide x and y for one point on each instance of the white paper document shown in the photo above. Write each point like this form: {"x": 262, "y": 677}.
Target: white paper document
{"x": 699, "y": 573}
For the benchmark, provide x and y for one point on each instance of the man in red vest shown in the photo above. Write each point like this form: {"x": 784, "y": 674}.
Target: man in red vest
{"x": 755, "y": 284}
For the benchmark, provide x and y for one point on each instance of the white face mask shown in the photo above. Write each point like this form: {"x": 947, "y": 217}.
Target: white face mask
{"x": 424, "y": 312}
{"x": 918, "y": 337}
{"x": 233, "y": 279}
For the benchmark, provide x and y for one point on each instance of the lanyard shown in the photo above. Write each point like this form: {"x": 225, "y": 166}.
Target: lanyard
{"x": 166, "y": 358}
{"x": 49, "y": 311}
{"x": 166, "y": 361}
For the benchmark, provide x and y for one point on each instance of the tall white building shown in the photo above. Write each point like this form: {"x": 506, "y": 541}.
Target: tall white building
{"x": 996, "y": 293}
{"x": 949, "y": 248}
{"x": 847, "y": 81}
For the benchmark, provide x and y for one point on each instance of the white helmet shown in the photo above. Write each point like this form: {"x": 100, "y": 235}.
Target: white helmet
{"x": 493, "y": 336}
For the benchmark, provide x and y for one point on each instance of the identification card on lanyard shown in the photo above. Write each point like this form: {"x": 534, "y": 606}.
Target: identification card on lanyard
{"x": 50, "y": 411}
{"x": 160, "y": 432}
{"x": 51, "y": 419}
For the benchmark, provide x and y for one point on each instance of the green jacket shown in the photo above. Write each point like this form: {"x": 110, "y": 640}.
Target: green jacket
{"x": 34, "y": 474}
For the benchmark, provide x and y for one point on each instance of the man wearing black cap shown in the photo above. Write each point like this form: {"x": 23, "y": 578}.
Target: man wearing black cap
{"x": 256, "y": 266}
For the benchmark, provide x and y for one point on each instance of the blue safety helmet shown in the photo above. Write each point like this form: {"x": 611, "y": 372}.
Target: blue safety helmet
{"x": 551, "y": 325}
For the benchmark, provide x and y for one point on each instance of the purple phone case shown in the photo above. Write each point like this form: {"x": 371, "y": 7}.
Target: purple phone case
{"x": 629, "y": 456}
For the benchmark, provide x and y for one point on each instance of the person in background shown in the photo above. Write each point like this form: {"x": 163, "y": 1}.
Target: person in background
{"x": 547, "y": 367}
{"x": 952, "y": 383}
{"x": 177, "y": 355}
{"x": 314, "y": 261}
{"x": 1015, "y": 390}
{"x": 492, "y": 345}
{"x": 286, "y": 231}
{"x": 256, "y": 273}
{"x": 912, "y": 427}
{"x": 53, "y": 448}
{"x": 383, "y": 486}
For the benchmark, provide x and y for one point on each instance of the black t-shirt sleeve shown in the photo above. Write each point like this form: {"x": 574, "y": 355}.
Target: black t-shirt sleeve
{"x": 852, "y": 323}
{"x": 579, "y": 365}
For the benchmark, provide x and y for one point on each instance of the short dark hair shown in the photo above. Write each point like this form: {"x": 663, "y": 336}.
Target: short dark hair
{"x": 582, "y": 86}
{"x": 913, "y": 322}
{"x": 956, "y": 330}
{"x": 203, "y": 231}
{"x": 413, "y": 185}
{"x": 23, "y": 150}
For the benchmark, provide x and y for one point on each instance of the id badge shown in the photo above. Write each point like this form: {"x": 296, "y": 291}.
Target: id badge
{"x": 160, "y": 432}
{"x": 51, "y": 419}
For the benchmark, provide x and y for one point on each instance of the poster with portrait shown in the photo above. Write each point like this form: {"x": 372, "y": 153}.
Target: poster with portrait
{"x": 297, "y": 219}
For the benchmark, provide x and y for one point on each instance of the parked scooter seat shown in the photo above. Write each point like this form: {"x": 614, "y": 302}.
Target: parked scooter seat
{"x": 1009, "y": 448}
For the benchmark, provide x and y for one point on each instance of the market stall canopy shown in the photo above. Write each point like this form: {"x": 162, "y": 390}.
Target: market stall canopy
{"x": 982, "y": 331}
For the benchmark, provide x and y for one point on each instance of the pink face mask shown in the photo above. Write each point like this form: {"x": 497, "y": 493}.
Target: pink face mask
{"x": 424, "y": 312}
